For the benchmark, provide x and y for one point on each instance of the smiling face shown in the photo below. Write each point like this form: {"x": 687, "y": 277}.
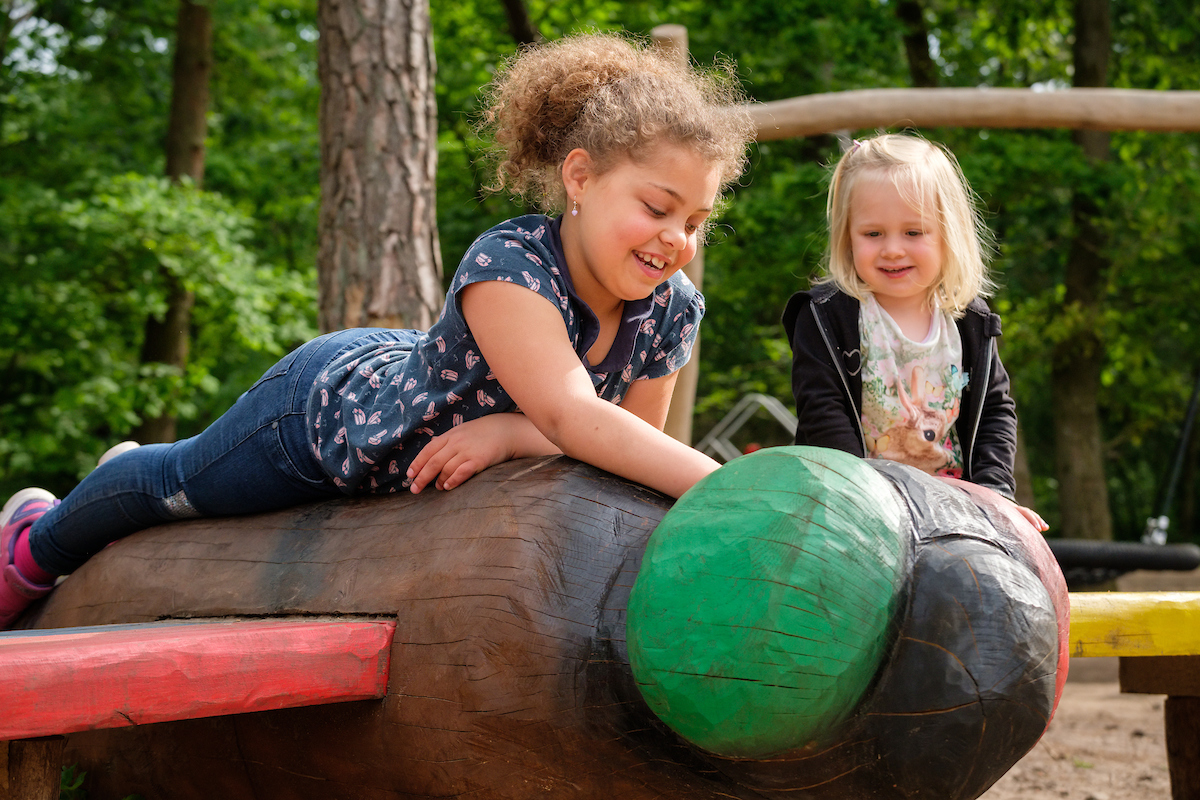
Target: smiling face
{"x": 897, "y": 250}
{"x": 637, "y": 223}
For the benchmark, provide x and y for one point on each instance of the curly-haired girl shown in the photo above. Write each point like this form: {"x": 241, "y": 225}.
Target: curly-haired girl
{"x": 559, "y": 334}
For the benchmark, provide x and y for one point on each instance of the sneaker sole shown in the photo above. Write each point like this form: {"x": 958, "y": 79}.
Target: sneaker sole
{"x": 116, "y": 450}
{"x": 15, "y": 502}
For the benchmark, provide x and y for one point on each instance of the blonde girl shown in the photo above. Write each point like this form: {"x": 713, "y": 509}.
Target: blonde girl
{"x": 560, "y": 334}
{"x": 894, "y": 351}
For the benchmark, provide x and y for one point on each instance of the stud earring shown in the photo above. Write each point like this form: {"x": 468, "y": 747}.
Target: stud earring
{"x": 574, "y": 207}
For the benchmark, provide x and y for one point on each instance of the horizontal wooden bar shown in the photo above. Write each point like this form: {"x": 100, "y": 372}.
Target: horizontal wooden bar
{"x": 1135, "y": 623}
{"x": 75, "y": 679}
{"x": 999, "y": 107}
{"x": 1178, "y": 676}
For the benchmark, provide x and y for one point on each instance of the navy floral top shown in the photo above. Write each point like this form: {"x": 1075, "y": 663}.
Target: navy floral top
{"x": 374, "y": 407}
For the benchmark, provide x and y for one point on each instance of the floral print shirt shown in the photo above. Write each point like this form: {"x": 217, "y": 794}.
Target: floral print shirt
{"x": 374, "y": 408}
{"x": 911, "y": 391}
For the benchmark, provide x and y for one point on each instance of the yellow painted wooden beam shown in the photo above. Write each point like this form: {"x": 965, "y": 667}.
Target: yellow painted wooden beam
{"x": 1135, "y": 623}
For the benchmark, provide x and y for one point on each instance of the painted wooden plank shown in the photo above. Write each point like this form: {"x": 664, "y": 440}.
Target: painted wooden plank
{"x": 1135, "y": 623}
{"x": 74, "y": 679}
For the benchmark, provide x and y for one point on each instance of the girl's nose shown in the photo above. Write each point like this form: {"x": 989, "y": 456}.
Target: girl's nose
{"x": 674, "y": 236}
{"x": 893, "y": 247}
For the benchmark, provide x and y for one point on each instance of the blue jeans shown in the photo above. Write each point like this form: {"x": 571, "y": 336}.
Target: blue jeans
{"x": 255, "y": 457}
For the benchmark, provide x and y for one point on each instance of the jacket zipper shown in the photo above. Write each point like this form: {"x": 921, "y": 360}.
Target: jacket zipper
{"x": 969, "y": 455}
{"x": 837, "y": 363}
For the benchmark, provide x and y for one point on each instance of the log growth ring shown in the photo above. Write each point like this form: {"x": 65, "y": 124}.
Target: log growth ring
{"x": 766, "y": 599}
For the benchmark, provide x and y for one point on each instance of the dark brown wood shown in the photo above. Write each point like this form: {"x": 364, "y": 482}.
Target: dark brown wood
{"x": 1079, "y": 357}
{"x": 378, "y": 260}
{"x": 188, "y": 125}
{"x": 31, "y": 768}
{"x": 166, "y": 340}
{"x": 1182, "y": 718}
{"x": 510, "y": 675}
{"x": 519, "y": 24}
{"x": 921, "y": 66}
{"x": 1173, "y": 675}
{"x": 495, "y": 586}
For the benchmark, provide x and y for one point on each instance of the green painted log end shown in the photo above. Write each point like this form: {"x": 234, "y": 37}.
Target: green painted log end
{"x": 765, "y": 602}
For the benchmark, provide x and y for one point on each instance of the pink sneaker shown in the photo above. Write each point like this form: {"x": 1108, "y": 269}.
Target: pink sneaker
{"x": 17, "y": 592}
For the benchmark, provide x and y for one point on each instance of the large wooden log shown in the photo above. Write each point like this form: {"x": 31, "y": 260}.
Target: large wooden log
{"x": 511, "y": 672}
{"x": 1094, "y": 109}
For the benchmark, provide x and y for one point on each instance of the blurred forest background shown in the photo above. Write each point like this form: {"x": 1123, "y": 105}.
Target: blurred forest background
{"x": 94, "y": 238}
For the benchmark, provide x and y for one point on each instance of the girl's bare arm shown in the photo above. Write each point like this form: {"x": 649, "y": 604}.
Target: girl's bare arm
{"x": 535, "y": 363}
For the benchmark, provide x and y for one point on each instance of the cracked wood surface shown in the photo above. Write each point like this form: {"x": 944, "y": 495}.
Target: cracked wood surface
{"x": 510, "y": 674}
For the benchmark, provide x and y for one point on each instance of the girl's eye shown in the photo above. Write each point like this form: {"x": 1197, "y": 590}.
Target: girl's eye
{"x": 655, "y": 211}
{"x": 916, "y": 233}
{"x": 689, "y": 227}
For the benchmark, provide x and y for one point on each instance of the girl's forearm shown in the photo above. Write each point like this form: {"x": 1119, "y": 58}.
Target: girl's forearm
{"x": 526, "y": 440}
{"x": 611, "y": 438}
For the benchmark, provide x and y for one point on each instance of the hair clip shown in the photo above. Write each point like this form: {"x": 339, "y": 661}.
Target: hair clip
{"x": 856, "y": 144}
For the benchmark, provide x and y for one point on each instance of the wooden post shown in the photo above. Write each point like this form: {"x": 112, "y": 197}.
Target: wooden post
{"x": 1181, "y": 716}
{"x": 672, "y": 40}
{"x": 1178, "y": 677}
{"x": 31, "y": 769}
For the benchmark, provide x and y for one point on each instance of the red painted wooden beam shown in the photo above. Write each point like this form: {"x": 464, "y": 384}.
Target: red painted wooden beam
{"x": 111, "y": 676}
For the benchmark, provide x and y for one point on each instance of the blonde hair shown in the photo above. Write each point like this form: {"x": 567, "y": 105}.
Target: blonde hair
{"x": 929, "y": 178}
{"x": 616, "y": 99}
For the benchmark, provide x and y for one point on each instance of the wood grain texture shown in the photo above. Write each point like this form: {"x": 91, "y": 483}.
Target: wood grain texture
{"x": 56, "y": 682}
{"x": 510, "y": 674}
{"x": 766, "y": 600}
{"x": 505, "y": 665}
{"x": 1135, "y": 623}
{"x": 1089, "y": 109}
{"x": 30, "y": 769}
{"x": 1181, "y": 718}
{"x": 1172, "y": 675}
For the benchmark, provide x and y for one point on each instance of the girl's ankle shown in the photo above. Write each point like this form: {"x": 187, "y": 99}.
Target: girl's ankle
{"x": 29, "y": 569}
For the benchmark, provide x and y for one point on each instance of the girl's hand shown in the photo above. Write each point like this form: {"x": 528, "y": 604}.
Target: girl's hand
{"x": 1032, "y": 516}
{"x": 461, "y": 452}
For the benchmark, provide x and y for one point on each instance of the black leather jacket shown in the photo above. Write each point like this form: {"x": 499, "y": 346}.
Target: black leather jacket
{"x": 822, "y": 325}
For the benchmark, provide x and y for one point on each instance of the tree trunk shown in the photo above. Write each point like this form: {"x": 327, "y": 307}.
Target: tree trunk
{"x": 519, "y": 25}
{"x": 672, "y": 41}
{"x": 378, "y": 259}
{"x": 916, "y": 43}
{"x": 1078, "y": 360}
{"x": 166, "y": 340}
{"x": 1022, "y": 474}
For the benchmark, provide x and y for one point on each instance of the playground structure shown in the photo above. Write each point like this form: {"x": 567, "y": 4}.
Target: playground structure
{"x": 1084, "y": 562}
{"x": 805, "y": 625}
{"x": 510, "y": 674}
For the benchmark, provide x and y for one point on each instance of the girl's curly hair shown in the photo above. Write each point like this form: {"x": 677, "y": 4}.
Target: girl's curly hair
{"x": 615, "y": 98}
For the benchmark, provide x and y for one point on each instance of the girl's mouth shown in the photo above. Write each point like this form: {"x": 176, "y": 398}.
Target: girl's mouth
{"x": 653, "y": 262}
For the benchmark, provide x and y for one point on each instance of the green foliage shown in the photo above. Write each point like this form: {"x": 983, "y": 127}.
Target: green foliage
{"x": 84, "y": 89}
{"x": 71, "y": 785}
{"x": 83, "y": 274}
{"x": 86, "y": 236}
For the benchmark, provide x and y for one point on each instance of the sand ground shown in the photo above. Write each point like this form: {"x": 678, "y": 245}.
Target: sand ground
{"x": 1101, "y": 745}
